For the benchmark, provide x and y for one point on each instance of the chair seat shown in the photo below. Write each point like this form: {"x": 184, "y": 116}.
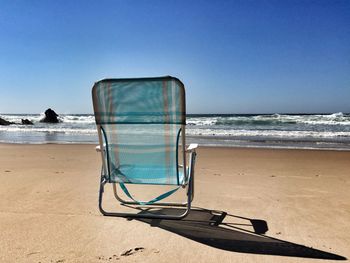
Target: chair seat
{"x": 146, "y": 174}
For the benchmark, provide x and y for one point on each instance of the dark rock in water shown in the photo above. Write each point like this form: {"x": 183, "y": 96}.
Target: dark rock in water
{"x": 5, "y": 122}
{"x": 26, "y": 122}
{"x": 50, "y": 116}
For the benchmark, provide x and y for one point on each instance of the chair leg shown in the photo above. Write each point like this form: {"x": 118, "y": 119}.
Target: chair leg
{"x": 193, "y": 163}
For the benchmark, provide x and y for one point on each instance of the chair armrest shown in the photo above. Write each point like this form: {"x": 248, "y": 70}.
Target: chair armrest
{"x": 98, "y": 148}
{"x": 192, "y": 147}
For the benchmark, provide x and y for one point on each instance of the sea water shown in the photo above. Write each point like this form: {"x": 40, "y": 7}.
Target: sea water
{"x": 300, "y": 131}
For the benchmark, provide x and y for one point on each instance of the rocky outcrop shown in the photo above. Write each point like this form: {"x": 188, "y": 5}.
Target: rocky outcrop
{"x": 27, "y": 122}
{"x": 50, "y": 116}
{"x": 5, "y": 122}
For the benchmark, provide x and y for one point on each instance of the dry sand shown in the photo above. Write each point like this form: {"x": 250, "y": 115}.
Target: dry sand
{"x": 49, "y": 212}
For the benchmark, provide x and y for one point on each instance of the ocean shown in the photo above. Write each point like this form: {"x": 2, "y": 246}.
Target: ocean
{"x": 296, "y": 131}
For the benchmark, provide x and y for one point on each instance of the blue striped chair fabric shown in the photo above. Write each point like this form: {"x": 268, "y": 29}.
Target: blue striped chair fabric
{"x": 141, "y": 123}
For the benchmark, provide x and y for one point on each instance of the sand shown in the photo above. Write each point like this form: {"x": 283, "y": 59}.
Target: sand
{"x": 281, "y": 205}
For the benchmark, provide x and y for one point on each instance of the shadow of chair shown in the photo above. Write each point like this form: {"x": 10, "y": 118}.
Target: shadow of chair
{"x": 207, "y": 227}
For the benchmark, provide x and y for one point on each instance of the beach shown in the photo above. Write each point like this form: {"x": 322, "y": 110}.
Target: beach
{"x": 281, "y": 205}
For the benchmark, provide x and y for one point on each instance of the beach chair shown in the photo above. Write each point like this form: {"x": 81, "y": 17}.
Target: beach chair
{"x": 141, "y": 130}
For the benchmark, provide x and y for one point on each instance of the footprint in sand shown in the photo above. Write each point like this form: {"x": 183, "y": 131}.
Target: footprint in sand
{"x": 126, "y": 253}
{"x": 114, "y": 257}
{"x": 32, "y": 253}
{"x": 132, "y": 251}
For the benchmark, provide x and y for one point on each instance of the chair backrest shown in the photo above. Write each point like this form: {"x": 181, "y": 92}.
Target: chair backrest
{"x": 140, "y": 122}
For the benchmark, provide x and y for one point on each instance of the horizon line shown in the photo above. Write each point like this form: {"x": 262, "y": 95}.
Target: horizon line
{"x": 264, "y": 113}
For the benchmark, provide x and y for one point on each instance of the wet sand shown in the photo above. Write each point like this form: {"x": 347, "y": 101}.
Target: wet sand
{"x": 276, "y": 206}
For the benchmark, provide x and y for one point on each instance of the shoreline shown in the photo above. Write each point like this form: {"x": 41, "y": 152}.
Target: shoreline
{"x": 201, "y": 146}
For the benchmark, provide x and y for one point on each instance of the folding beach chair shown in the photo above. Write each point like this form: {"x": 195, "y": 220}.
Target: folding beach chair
{"x": 141, "y": 129}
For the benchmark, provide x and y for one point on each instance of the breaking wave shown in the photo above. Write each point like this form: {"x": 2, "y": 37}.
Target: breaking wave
{"x": 320, "y": 130}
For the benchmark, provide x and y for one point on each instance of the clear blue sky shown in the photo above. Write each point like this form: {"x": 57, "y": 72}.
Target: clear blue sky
{"x": 233, "y": 56}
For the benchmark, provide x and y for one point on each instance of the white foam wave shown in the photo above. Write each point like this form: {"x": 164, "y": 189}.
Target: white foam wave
{"x": 326, "y": 127}
{"x": 18, "y": 118}
{"x": 202, "y": 121}
{"x": 274, "y": 119}
{"x": 269, "y": 133}
{"x": 78, "y": 119}
{"x": 330, "y": 119}
{"x": 31, "y": 129}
